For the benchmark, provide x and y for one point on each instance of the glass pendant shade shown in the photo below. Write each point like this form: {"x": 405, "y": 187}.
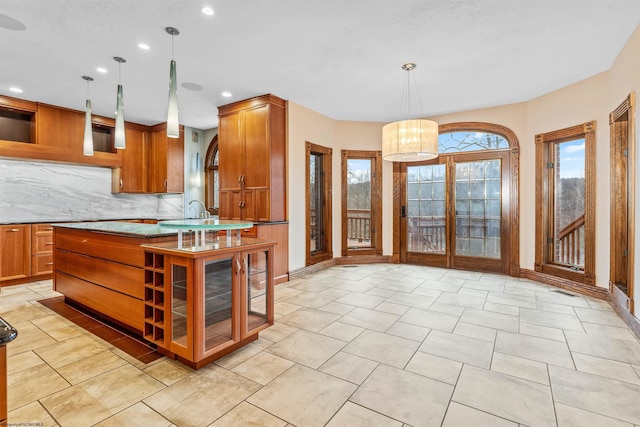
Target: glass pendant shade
{"x": 410, "y": 141}
{"x": 119, "y": 136}
{"x": 88, "y": 131}
{"x": 173, "y": 123}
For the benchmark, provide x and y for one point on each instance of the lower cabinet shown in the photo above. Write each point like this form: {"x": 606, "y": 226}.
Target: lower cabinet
{"x": 15, "y": 251}
{"x": 202, "y": 306}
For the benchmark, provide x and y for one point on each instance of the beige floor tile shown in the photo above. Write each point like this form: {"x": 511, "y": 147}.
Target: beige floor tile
{"x": 360, "y": 300}
{"x": 337, "y": 308}
{"x": 611, "y": 398}
{"x": 31, "y": 384}
{"x": 621, "y": 333}
{"x": 485, "y": 285}
{"x": 51, "y": 323}
{"x": 463, "y": 416}
{"x": 389, "y": 307}
{"x": 32, "y": 414}
{"x": 263, "y": 367}
{"x": 475, "y": 331}
{"x": 597, "y": 304}
{"x": 601, "y": 317}
{"x": 459, "y": 348}
{"x": 309, "y": 319}
{"x": 601, "y": 346}
{"x": 284, "y": 307}
{"x": 335, "y": 292}
{"x": 555, "y": 308}
{"x": 349, "y": 367}
{"x": 94, "y": 400}
{"x": 278, "y": 331}
{"x": 232, "y": 360}
{"x": 489, "y": 319}
{"x": 90, "y": 366}
{"x": 412, "y": 300}
{"x": 569, "y": 416}
{"x": 456, "y": 310}
{"x": 72, "y": 350}
{"x": 520, "y": 368}
{"x": 507, "y": 397}
{"x": 27, "y": 340}
{"x": 512, "y": 300}
{"x": 168, "y": 371}
{"x": 424, "y": 291}
{"x": 461, "y": 300}
{"x": 22, "y": 361}
{"x": 303, "y": 396}
{"x": 435, "y": 367}
{"x": 430, "y": 319}
{"x": 310, "y": 299}
{"x": 307, "y": 348}
{"x": 66, "y": 333}
{"x": 501, "y": 308}
{"x": 407, "y": 330}
{"x": 203, "y": 392}
{"x": 546, "y": 332}
{"x": 398, "y": 286}
{"x": 370, "y": 319}
{"x": 473, "y": 292}
{"x": 605, "y": 368}
{"x": 386, "y": 293}
{"x": 568, "y": 322}
{"x": 245, "y": 414}
{"x": 404, "y": 396}
{"x": 136, "y": 415}
{"x": 452, "y": 285}
{"x": 352, "y": 415}
{"x": 533, "y": 348}
{"x": 342, "y": 331}
{"x": 282, "y": 294}
{"x": 555, "y": 297}
{"x": 383, "y": 348}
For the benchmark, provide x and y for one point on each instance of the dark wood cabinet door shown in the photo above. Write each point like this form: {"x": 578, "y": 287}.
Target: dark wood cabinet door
{"x": 257, "y": 147}
{"x": 230, "y": 149}
{"x": 133, "y": 174}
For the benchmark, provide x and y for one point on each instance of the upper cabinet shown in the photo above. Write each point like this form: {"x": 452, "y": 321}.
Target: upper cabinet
{"x": 252, "y": 159}
{"x": 132, "y": 177}
{"x": 166, "y": 165}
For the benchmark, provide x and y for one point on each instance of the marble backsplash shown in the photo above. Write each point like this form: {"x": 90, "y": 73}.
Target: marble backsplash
{"x": 44, "y": 192}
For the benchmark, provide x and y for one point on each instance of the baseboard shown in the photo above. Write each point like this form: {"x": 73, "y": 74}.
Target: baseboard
{"x": 304, "y": 271}
{"x": 580, "y": 288}
{"x": 632, "y": 321}
{"x": 364, "y": 259}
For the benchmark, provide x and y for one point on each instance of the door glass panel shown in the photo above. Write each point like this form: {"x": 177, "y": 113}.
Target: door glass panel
{"x": 257, "y": 286}
{"x": 179, "y": 304}
{"x": 315, "y": 199}
{"x": 359, "y": 203}
{"x": 478, "y": 214}
{"x": 426, "y": 209}
{"x": 569, "y": 192}
{"x": 218, "y": 278}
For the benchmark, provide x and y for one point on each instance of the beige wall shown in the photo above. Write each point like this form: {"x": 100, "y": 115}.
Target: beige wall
{"x": 589, "y": 99}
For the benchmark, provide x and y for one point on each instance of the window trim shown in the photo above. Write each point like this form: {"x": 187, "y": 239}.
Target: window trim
{"x": 209, "y": 171}
{"x": 327, "y": 154}
{"x": 543, "y": 193}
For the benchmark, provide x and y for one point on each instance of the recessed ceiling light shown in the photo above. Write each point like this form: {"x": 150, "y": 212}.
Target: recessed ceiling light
{"x": 226, "y": 94}
{"x": 207, "y": 10}
{"x": 143, "y": 46}
{"x": 16, "y": 89}
{"x": 101, "y": 70}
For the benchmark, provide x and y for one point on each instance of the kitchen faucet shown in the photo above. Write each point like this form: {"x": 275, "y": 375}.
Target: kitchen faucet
{"x": 205, "y": 213}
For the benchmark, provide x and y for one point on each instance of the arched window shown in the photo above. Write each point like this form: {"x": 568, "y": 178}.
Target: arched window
{"x": 211, "y": 178}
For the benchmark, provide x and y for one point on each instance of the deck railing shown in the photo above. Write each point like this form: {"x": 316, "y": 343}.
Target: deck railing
{"x": 359, "y": 225}
{"x": 570, "y": 243}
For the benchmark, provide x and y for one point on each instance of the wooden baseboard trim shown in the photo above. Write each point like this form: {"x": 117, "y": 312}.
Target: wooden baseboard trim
{"x": 365, "y": 259}
{"x": 24, "y": 280}
{"x": 632, "y": 321}
{"x": 304, "y": 271}
{"x": 580, "y": 288}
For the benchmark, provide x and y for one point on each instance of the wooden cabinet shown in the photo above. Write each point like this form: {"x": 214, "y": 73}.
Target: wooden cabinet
{"x": 166, "y": 161}
{"x": 15, "y": 251}
{"x": 41, "y": 249}
{"x": 201, "y": 306}
{"x": 252, "y": 159}
{"x": 133, "y": 176}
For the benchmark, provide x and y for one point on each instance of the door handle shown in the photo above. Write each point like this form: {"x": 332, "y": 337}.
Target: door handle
{"x": 403, "y": 211}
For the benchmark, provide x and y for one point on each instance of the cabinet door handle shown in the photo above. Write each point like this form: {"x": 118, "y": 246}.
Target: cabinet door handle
{"x": 239, "y": 204}
{"x": 49, "y": 263}
{"x": 13, "y": 230}
{"x": 165, "y": 184}
{"x": 238, "y": 267}
{"x": 48, "y": 243}
{"x": 48, "y": 228}
{"x": 240, "y": 179}
{"x": 121, "y": 183}
{"x": 244, "y": 262}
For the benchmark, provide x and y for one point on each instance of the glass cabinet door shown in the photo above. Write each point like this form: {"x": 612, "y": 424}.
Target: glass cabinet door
{"x": 217, "y": 306}
{"x": 180, "y": 327}
{"x": 258, "y": 288}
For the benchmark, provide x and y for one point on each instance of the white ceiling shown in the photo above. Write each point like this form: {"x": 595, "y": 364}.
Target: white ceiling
{"x": 341, "y": 58}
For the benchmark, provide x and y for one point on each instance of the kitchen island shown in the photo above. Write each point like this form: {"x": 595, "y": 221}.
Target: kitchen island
{"x": 196, "y": 300}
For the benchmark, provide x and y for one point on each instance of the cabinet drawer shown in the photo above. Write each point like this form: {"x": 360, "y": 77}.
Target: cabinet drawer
{"x": 42, "y": 244}
{"x": 41, "y": 229}
{"x": 41, "y": 264}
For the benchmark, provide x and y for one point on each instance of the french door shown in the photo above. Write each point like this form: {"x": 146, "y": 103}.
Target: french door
{"x": 455, "y": 211}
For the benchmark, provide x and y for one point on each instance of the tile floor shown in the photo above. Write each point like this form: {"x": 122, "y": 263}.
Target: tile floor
{"x": 374, "y": 345}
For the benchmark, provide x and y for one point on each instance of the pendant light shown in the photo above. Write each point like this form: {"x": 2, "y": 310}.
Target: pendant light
{"x": 410, "y": 140}
{"x": 87, "y": 147}
{"x": 119, "y": 141}
{"x": 173, "y": 123}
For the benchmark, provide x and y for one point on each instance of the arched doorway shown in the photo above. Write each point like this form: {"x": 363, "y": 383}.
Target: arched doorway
{"x": 211, "y": 182}
{"x": 460, "y": 210}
